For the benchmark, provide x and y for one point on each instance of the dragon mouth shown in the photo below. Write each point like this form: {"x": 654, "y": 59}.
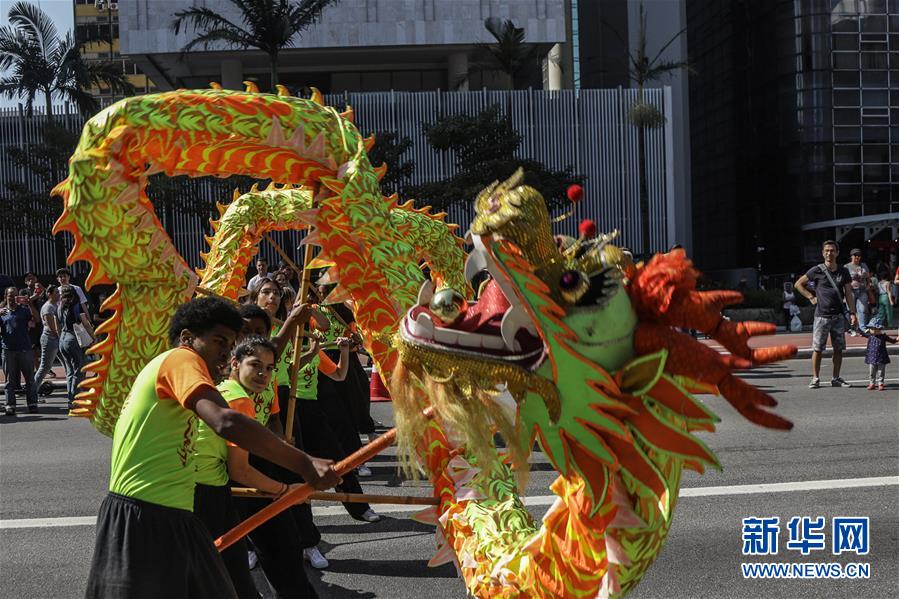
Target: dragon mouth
{"x": 496, "y": 327}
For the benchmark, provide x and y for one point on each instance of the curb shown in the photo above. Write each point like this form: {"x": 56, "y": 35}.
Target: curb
{"x": 850, "y": 352}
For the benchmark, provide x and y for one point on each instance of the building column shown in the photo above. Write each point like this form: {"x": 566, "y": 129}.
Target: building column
{"x": 232, "y": 74}
{"x": 552, "y": 71}
{"x": 457, "y": 72}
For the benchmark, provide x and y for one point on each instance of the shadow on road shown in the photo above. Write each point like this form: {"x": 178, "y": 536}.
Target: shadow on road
{"x": 387, "y": 524}
{"x": 402, "y": 568}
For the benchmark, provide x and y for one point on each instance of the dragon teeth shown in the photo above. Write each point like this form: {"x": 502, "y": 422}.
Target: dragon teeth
{"x": 426, "y": 293}
{"x": 475, "y": 263}
{"x": 513, "y": 321}
{"x": 422, "y": 326}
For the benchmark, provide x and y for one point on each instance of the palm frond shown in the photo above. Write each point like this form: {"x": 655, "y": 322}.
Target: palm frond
{"x": 110, "y": 74}
{"x": 85, "y": 102}
{"x": 665, "y": 68}
{"x": 668, "y": 43}
{"x": 235, "y": 39}
{"x": 35, "y": 24}
{"x": 201, "y": 18}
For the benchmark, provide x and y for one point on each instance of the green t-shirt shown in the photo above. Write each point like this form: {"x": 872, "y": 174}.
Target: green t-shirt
{"x": 282, "y": 368}
{"x": 211, "y": 450}
{"x": 307, "y": 380}
{"x": 154, "y": 438}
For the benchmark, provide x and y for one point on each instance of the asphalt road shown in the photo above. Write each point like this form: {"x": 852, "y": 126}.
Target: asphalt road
{"x": 52, "y": 467}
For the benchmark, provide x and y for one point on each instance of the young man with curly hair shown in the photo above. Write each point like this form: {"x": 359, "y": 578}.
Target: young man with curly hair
{"x": 149, "y": 543}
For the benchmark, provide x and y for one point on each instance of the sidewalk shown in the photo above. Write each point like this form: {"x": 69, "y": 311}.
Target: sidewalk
{"x": 855, "y": 346}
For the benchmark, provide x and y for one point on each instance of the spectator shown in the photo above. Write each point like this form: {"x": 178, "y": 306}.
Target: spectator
{"x": 16, "y": 313}
{"x": 861, "y": 284}
{"x": 282, "y": 278}
{"x": 37, "y": 297}
{"x": 50, "y": 336}
{"x": 876, "y": 356}
{"x": 885, "y": 298}
{"x": 70, "y": 314}
{"x": 64, "y": 277}
{"x": 832, "y": 290}
{"x": 261, "y": 274}
{"x": 789, "y": 299}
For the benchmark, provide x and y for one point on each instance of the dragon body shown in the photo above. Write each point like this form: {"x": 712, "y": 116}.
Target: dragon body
{"x": 575, "y": 351}
{"x": 375, "y": 245}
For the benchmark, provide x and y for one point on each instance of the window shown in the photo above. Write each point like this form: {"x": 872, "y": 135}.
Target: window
{"x": 851, "y": 173}
{"x": 876, "y": 154}
{"x": 845, "y": 42}
{"x": 845, "y": 60}
{"x": 875, "y": 134}
{"x": 845, "y": 79}
{"x": 874, "y": 60}
{"x": 874, "y": 23}
{"x": 846, "y": 116}
{"x": 843, "y": 154}
{"x": 846, "y": 97}
{"x": 847, "y": 193}
{"x": 846, "y": 134}
{"x": 875, "y": 97}
{"x": 875, "y": 79}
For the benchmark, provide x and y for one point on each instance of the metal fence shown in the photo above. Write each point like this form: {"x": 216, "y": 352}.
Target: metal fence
{"x": 585, "y": 129}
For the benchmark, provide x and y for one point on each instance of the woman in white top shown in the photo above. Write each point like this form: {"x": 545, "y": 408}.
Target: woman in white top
{"x": 50, "y": 335}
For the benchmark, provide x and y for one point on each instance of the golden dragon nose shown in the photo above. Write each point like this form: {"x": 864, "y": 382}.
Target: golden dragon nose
{"x": 447, "y": 305}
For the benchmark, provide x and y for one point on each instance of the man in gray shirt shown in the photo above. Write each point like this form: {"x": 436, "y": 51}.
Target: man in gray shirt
{"x": 831, "y": 288}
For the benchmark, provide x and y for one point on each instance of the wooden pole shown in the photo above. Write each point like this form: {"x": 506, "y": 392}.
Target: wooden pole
{"x": 305, "y": 282}
{"x": 346, "y": 497}
{"x": 299, "y": 272}
{"x": 301, "y": 493}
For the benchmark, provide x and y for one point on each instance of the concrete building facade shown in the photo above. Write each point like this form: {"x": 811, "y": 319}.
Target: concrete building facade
{"x": 358, "y": 45}
{"x": 97, "y": 27}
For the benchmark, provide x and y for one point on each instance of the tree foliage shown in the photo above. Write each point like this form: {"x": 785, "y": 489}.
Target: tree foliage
{"x": 483, "y": 148}
{"x": 266, "y": 25}
{"x": 509, "y": 54}
{"x": 389, "y": 149}
{"x": 36, "y": 60}
{"x": 28, "y": 208}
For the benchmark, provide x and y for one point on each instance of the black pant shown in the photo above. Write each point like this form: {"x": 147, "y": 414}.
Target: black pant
{"x": 302, "y": 512}
{"x": 146, "y": 551}
{"x": 279, "y": 547}
{"x": 357, "y": 391}
{"x": 321, "y": 440}
{"x": 213, "y": 506}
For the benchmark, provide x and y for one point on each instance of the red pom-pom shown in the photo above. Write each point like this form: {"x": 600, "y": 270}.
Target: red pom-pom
{"x": 587, "y": 228}
{"x": 575, "y": 193}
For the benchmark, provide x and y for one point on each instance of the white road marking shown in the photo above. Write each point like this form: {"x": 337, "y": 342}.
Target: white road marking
{"x": 539, "y": 500}
{"x": 48, "y": 522}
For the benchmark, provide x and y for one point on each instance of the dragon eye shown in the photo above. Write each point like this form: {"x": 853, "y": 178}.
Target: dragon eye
{"x": 601, "y": 286}
{"x": 572, "y": 285}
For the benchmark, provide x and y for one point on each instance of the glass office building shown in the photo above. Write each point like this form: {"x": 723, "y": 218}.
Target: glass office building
{"x": 794, "y": 112}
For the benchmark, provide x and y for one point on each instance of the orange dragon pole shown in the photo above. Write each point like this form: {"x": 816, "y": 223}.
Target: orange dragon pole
{"x": 302, "y": 492}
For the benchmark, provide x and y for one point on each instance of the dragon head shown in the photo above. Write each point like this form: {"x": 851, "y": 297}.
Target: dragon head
{"x": 533, "y": 355}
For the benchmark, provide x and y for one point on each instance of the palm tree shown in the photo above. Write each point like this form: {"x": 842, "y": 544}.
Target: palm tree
{"x": 510, "y": 55}
{"x": 267, "y": 25}
{"x": 37, "y": 61}
{"x": 644, "y": 115}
